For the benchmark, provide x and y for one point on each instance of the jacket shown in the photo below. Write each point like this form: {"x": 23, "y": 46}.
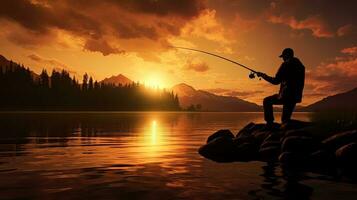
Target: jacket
{"x": 291, "y": 77}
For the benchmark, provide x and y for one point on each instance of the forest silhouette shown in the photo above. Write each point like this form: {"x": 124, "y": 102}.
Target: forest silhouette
{"x": 21, "y": 89}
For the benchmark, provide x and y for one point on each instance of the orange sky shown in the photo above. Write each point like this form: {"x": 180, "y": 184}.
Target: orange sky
{"x": 107, "y": 37}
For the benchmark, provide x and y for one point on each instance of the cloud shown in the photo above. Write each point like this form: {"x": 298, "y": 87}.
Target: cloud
{"x": 336, "y": 76}
{"x": 350, "y": 50}
{"x": 52, "y": 63}
{"x": 42, "y": 60}
{"x": 344, "y": 30}
{"x": 196, "y": 65}
{"x": 106, "y": 26}
{"x": 207, "y": 26}
{"x": 234, "y": 93}
{"x": 313, "y": 23}
{"x": 102, "y": 46}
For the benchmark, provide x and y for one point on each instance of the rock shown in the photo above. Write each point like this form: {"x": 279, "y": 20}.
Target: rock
{"x": 270, "y": 144}
{"x": 220, "y": 149}
{"x": 346, "y": 156}
{"x": 299, "y": 132}
{"x": 301, "y": 145}
{"x": 248, "y": 130}
{"x": 269, "y": 153}
{"x": 246, "y": 152}
{"x": 340, "y": 139}
{"x": 322, "y": 158}
{"x": 290, "y": 159}
{"x": 260, "y": 136}
{"x": 245, "y": 131}
{"x": 241, "y": 140}
{"x": 221, "y": 133}
{"x": 322, "y": 162}
{"x": 296, "y": 124}
{"x": 273, "y": 137}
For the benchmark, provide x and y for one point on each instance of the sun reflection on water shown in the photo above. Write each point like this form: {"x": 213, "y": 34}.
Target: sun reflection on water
{"x": 154, "y": 132}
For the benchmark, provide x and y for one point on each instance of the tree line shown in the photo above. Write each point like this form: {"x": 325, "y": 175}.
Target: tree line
{"x": 21, "y": 89}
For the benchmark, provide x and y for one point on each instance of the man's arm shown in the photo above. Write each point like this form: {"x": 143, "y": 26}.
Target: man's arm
{"x": 273, "y": 80}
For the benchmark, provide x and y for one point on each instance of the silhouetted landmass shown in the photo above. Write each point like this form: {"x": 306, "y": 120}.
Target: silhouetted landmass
{"x": 193, "y": 99}
{"x": 344, "y": 101}
{"x": 117, "y": 80}
{"x": 21, "y": 89}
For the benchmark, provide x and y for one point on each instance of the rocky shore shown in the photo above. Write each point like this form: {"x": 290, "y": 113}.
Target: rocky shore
{"x": 293, "y": 146}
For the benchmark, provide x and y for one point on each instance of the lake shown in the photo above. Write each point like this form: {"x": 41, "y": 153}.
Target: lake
{"x": 139, "y": 155}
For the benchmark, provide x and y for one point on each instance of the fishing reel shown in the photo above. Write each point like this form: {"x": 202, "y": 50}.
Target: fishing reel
{"x": 252, "y": 75}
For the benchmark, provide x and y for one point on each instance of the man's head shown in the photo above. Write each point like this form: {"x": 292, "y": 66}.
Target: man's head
{"x": 287, "y": 54}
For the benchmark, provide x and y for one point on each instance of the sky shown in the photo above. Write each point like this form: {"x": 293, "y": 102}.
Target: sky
{"x": 133, "y": 37}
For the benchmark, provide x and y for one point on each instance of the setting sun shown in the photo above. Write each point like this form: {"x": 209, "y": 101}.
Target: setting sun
{"x": 154, "y": 81}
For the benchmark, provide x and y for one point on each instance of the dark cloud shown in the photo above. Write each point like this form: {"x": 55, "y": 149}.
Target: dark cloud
{"x": 182, "y": 8}
{"x": 101, "y": 46}
{"x": 314, "y": 23}
{"x": 53, "y": 63}
{"x": 101, "y": 22}
{"x": 323, "y": 18}
{"x": 345, "y": 30}
{"x": 47, "y": 61}
{"x": 336, "y": 76}
{"x": 197, "y": 66}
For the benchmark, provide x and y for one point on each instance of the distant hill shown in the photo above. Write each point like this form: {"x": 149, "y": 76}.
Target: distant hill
{"x": 5, "y": 64}
{"x": 211, "y": 102}
{"x": 342, "y": 101}
{"x": 117, "y": 80}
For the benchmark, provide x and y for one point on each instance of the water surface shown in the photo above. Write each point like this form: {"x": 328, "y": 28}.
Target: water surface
{"x": 149, "y": 155}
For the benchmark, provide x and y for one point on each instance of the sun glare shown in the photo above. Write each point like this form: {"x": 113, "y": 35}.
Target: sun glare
{"x": 153, "y": 132}
{"x": 154, "y": 81}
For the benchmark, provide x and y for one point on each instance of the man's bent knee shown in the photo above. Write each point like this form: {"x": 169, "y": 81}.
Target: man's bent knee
{"x": 267, "y": 101}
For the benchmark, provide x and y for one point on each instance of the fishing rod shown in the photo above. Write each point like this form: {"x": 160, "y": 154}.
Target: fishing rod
{"x": 251, "y": 75}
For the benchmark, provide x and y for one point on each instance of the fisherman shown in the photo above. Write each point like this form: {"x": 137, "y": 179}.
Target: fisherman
{"x": 291, "y": 77}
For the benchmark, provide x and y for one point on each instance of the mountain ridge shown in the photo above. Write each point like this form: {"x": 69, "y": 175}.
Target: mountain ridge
{"x": 188, "y": 96}
{"x": 119, "y": 79}
{"x": 345, "y": 101}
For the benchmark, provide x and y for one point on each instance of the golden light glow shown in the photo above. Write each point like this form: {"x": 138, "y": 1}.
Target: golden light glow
{"x": 154, "y": 81}
{"x": 153, "y": 133}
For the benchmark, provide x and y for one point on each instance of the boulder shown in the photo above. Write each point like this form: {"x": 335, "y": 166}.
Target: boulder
{"x": 221, "y": 133}
{"x": 269, "y": 153}
{"x": 340, "y": 139}
{"x": 246, "y": 152}
{"x": 346, "y": 155}
{"x": 241, "y": 140}
{"x": 296, "y": 124}
{"x": 273, "y": 137}
{"x": 299, "y": 145}
{"x": 322, "y": 157}
{"x": 260, "y": 136}
{"x": 248, "y": 130}
{"x": 220, "y": 149}
{"x": 299, "y": 132}
{"x": 291, "y": 159}
{"x": 347, "y": 160}
{"x": 270, "y": 144}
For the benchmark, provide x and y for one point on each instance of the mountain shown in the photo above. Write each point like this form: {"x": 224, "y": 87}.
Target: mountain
{"x": 5, "y": 64}
{"x": 211, "y": 102}
{"x": 343, "y": 101}
{"x": 117, "y": 80}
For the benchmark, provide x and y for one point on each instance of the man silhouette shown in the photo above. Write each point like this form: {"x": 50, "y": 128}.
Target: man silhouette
{"x": 291, "y": 77}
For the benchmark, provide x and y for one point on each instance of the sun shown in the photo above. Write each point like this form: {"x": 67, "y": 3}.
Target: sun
{"x": 155, "y": 81}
